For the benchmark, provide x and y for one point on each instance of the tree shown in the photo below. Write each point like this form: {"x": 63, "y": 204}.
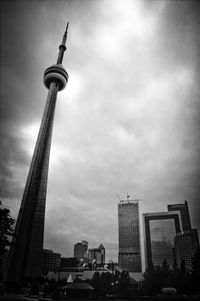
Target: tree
{"x": 106, "y": 280}
{"x": 157, "y": 278}
{"x": 111, "y": 283}
{"x": 152, "y": 281}
{"x": 95, "y": 282}
{"x": 124, "y": 284}
{"x": 6, "y": 229}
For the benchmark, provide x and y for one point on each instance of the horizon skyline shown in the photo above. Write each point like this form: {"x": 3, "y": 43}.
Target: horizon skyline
{"x": 141, "y": 230}
{"x": 127, "y": 121}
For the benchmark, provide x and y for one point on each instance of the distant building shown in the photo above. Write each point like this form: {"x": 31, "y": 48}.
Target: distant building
{"x": 50, "y": 261}
{"x": 129, "y": 236}
{"x": 160, "y": 228}
{"x": 186, "y": 244}
{"x": 70, "y": 264}
{"x": 80, "y": 249}
{"x": 184, "y": 212}
{"x": 97, "y": 254}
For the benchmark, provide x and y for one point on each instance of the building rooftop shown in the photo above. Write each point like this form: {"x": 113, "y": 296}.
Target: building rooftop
{"x": 134, "y": 201}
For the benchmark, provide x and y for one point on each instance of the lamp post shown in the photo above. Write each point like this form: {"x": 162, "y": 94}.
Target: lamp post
{"x": 94, "y": 264}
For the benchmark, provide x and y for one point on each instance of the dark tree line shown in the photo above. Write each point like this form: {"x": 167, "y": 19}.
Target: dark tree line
{"x": 6, "y": 231}
{"x": 121, "y": 285}
{"x": 186, "y": 282}
{"x": 114, "y": 284}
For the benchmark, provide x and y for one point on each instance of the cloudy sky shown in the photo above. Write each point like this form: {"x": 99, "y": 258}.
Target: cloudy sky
{"x": 127, "y": 122}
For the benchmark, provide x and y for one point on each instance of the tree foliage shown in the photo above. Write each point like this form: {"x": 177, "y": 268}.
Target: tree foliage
{"x": 6, "y": 228}
{"x": 181, "y": 279}
{"x": 108, "y": 283}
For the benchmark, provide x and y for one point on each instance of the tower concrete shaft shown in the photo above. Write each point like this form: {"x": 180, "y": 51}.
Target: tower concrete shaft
{"x": 25, "y": 256}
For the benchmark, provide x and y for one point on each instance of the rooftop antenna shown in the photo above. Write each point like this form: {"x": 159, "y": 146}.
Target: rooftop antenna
{"x": 62, "y": 47}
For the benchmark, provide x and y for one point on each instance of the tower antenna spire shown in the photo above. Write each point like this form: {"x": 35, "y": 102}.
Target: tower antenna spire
{"x": 65, "y": 35}
{"x": 62, "y": 47}
{"x": 24, "y": 259}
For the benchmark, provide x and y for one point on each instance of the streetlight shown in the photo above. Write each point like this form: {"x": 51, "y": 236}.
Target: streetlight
{"x": 85, "y": 265}
{"x": 94, "y": 264}
{"x": 105, "y": 267}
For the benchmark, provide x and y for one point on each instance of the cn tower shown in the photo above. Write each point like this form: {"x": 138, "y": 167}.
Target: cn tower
{"x": 25, "y": 256}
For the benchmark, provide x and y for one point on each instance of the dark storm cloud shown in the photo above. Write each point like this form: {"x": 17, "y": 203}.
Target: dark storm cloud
{"x": 182, "y": 25}
{"x": 18, "y": 88}
{"x": 12, "y": 158}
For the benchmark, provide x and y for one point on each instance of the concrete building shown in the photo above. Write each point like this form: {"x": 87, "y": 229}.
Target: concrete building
{"x": 80, "y": 249}
{"x": 50, "y": 261}
{"x": 97, "y": 254}
{"x": 160, "y": 228}
{"x": 186, "y": 244}
{"x": 25, "y": 256}
{"x": 68, "y": 263}
{"x": 129, "y": 236}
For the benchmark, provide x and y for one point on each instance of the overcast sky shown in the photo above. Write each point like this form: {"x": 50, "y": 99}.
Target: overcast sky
{"x": 127, "y": 122}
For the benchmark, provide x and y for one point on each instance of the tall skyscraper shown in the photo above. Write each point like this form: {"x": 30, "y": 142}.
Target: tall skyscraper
{"x": 160, "y": 228}
{"x": 186, "y": 244}
{"x": 80, "y": 249}
{"x": 129, "y": 236}
{"x": 25, "y": 256}
{"x": 184, "y": 211}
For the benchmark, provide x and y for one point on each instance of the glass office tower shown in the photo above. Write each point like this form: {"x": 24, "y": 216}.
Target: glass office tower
{"x": 129, "y": 236}
{"x": 160, "y": 228}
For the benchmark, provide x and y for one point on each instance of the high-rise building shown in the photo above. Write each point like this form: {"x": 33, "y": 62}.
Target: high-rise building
{"x": 80, "y": 249}
{"x": 187, "y": 241}
{"x": 97, "y": 254}
{"x": 25, "y": 256}
{"x": 50, "y": 262}
{"x": 184, "y": 212}
{"x": 129, "y": 236}
{"x": 160, "y": 228}
{"x": 186, "y": 244}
